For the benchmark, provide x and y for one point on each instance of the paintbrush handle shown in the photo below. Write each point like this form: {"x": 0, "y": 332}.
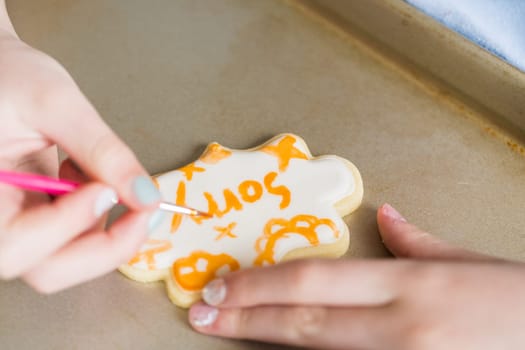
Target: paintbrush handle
{"x": 57, "y": 187}
{"x": 39, "y": 183}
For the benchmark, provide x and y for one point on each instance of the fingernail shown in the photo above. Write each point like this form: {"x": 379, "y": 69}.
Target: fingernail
{"x": 155, "y": 220}
{"x": 145, "y": 190}
{"x": 214, "y": 292}
{"x": 105, "y": 201}
{"x": 389, "y": 211}
{"x": 203, "y": 315}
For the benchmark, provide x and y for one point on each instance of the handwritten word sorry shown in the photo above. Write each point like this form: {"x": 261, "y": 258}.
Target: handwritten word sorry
{"x": 248, "y": 191}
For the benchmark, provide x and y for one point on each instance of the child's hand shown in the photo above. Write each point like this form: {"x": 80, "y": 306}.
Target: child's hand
{"x": 441, "y": 297}
{"x": 55, "y": 244}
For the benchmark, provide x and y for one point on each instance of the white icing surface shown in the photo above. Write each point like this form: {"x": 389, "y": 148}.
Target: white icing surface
{"x": 315, "y": 186}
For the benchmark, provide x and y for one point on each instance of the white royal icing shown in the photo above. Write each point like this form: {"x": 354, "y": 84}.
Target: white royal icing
{"x": 315, "y": 186}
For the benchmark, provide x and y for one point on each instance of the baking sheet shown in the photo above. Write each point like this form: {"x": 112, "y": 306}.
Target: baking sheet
{"x": 413, "y": 39}
{"x": 171, "y": 76}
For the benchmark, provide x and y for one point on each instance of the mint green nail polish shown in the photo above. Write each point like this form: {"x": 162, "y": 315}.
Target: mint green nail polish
{"x": 145, "y": 190}
{"x": 155, "y": 220}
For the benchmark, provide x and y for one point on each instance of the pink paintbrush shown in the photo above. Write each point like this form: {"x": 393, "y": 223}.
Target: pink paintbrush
{"x": 57, "y": 187}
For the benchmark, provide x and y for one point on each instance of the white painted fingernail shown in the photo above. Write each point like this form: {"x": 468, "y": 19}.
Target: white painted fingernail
{"x": 106, "y": 200}
{"x": 203, "y": 315}
{"x": 389, "y": 211}
{"x": 214, "y": 292}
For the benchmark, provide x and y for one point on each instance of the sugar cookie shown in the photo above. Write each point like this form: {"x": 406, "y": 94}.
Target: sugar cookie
{"x": 267, "y": 204}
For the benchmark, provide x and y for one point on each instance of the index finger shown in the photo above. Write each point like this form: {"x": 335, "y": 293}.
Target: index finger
{"x": 311, "y": 282}
{"x": 74, "y": 124}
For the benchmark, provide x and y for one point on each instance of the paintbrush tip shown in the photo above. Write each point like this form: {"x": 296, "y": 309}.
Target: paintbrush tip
{"x": 201, "y": 213}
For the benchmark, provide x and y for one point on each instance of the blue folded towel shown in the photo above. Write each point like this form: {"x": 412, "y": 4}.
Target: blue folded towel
{"x": 496, "y": 25}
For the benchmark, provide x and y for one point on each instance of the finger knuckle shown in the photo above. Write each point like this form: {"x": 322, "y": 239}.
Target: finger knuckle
{"x": 52, "y": 94}
{"x": 301, "y": 274}
{"x": 104, "y": 148}
{"x": 423, "y": 277}
{"x": 241, "y": 321}
{"x": 110, "y": 154}
{"x": 241, "y": 288}
{"x": 422, "y": 334}
{"x": 305, "y": 322}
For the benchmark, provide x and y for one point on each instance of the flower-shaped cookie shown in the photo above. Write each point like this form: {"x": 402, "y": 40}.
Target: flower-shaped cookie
{"x": 267, "y": 204}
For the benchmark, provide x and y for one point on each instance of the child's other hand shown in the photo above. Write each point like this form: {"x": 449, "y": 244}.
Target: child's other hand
{"x": 56, "y": 244}
{"x": 434, "y": 297}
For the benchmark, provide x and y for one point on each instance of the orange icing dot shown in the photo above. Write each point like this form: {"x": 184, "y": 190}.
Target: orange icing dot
{"x": 282, "y": 190}
{"x": 284, "y": 151}
{"x": 250, "y": 191}
{"x": 193, "y": 272}
{"x": 276, "y": 229}
{"x": 189, "y": 169}
{"x": 214, "y": 153}
{"x": 180, "y": 200}
{"x": 149, "y": 254}
{"x": 225, "y": 231}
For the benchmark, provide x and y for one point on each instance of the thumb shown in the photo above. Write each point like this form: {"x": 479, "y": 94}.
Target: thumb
{"x": 405, "y": 240}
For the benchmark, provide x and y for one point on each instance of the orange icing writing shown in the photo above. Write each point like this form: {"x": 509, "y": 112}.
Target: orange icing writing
{"x": 193, "y": 272}
{"x": 189, "y": 169}
{"x": 231, "y": 202}
{"x": 279, "y": 190}
{"x": 149, "y": 254}
{"x": 250, "y": 191}
{"x": 284, "y": 151}
{"x": 180, "y": 200}
{"x": 275, "y": 229}
{"x": 214, "y": 153}
{"x": 225, "y": 231}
